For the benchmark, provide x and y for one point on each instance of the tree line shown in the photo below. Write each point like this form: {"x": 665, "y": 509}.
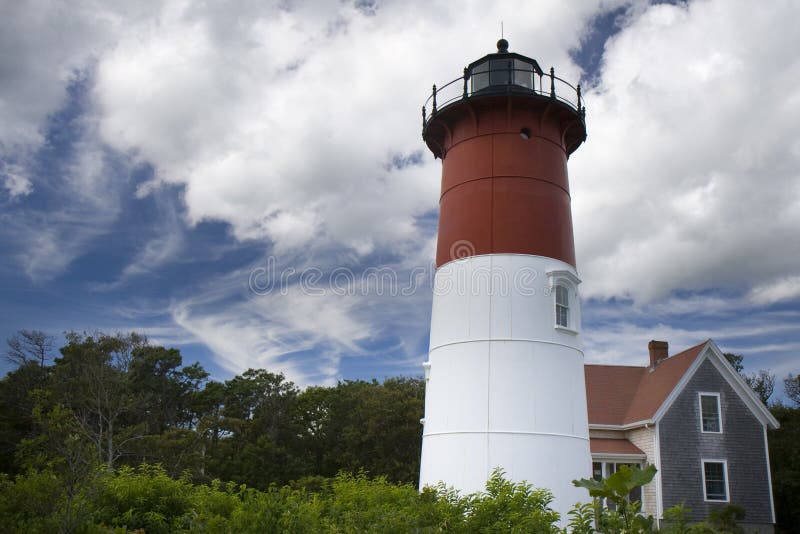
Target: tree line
{"x": 118, "y": 400}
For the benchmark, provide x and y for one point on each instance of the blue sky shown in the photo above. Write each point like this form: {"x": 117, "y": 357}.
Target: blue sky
{"x": 161, "y": 163}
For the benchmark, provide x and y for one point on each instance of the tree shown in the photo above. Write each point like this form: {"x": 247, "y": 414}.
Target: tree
{"x": 16, "y": 409}
{"x": 258, "y": 433}
{"x": 784, "y": 459}
{"x": 735, "y": 360}
{"x": 791, "y": 385}
{"x": 29, "y": 345}
{"x": 364, "y": 425}
{"x": 763, "y": 383}
{"x": 165, "y": 387}
{"x": 92, "y": 379}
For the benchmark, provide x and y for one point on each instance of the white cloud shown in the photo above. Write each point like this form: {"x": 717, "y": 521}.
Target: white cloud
{"x": 689, "y": 178}
{"x": 304, "y": 329}
{"x": 768, "y": 340}
{"x": 14, "y": 181}
{"x": 280, "y": 120}
{"x": 778, "y": 290}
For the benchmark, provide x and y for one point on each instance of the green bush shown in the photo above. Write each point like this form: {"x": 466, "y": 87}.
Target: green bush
{"x": 511, "y": 507}
{"x": 147, "y": 499}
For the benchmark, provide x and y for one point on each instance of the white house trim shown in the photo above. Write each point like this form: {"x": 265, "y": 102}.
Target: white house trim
{"x": 627, "y": 426}
{"x": 657, "y": 463}
{"x": 769, "y": 474}
{"x": 618, "y": 457}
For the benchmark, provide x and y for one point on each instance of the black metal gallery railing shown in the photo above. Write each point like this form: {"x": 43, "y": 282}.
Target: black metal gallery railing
{"x": 518, "y": 81}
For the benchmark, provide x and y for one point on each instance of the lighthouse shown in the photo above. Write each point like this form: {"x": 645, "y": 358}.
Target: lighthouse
{"x": 505, "y": 383}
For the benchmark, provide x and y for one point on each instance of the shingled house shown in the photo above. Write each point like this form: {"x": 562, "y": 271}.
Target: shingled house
{"x": 694, "y": 418}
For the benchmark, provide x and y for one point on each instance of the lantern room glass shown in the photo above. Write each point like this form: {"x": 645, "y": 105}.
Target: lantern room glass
{"x": 503, "y": 71}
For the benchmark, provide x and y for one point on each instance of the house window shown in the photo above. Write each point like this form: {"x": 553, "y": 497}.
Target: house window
{"x": 715, "y": 480}
{"x": 562, "y": 306}
{"x": 710, "y": 419}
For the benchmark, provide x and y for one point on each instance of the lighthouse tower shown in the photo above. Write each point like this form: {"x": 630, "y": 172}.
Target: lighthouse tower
{"x": 504, "y": 378}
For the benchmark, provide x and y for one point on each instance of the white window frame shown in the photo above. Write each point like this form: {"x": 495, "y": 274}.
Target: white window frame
{"x": 700, "y": 396}
{"x": 570, "y": 282}
{"x": 703, "y": 462}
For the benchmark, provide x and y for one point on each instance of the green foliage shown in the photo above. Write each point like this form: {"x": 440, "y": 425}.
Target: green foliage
{"x": 147, "y": 499}
{"x": 363, "y": 425}
{"x": 510, "y": 507}
{"x": 722, "y": 521}
{"x": 626, "y": 517}
{"x": 30, "y": 503}
{"x": 791, "y": 385}
{"x": 735, "y": 360}
{"x": 784, "y": 456}
{"x": 121, "y": 401}
{"x": 762, "y": 383}
{"x": 16, "y": 410}
{"x": 676, "y": 520}
{"x": 581, "y": 518}
{"x": 144, "y": 498}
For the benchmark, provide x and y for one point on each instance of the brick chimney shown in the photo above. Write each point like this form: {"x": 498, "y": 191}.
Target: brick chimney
{"x": 659, "y": 350}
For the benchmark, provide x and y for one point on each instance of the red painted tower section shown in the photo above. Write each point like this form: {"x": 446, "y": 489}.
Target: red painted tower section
{"x": 504, "y": 170}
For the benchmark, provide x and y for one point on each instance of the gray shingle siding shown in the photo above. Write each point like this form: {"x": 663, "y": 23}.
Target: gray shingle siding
{"x": 683, "y": 446}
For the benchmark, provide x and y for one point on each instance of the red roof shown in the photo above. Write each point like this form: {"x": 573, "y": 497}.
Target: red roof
{"x": 614, "y": 446}
{"x": 619, "y": 395}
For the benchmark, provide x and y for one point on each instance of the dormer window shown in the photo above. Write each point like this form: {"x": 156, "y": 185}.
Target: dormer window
{"x": 710, "y": 416}
{"x": 562, "y": 306}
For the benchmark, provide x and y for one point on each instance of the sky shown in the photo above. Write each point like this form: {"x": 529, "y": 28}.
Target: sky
{"x": 246, "y": 181}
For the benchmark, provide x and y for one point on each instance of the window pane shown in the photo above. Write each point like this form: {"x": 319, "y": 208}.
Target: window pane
{"x": 562, "y": 316}
{"x": 562, "y": 306}
{"x": 523, "y": 73}
{"x": 480, "y": 76}
{"x": 500, "y": 71}
{"x": 715, "y": 481}
{"x": 562, "y": 296}
{"x": 597, "y": 471}
{"x": 709, "y": 405}
{"x": 480, "y": 81}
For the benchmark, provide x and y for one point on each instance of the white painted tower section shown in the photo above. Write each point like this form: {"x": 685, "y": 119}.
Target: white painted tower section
{"x": 505, "y": 384}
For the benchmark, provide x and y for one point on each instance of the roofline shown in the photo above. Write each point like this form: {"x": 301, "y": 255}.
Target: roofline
{"x": 626, "y": 426}
{"x": 506, "y": 55}
{"x": 733, "y": 378}
{"x": 618, "y": 456}
{"x": 615, "y": 365}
